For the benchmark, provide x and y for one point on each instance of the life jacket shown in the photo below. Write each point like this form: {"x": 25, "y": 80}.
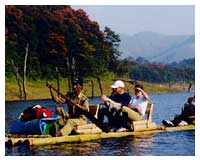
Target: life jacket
{"x": 35, "y": 112}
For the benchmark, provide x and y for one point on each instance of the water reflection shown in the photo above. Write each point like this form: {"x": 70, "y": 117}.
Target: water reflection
{"x": 72, "y": 149}
{"x": 141, "y": 145}
{"x": 23, "y": 150}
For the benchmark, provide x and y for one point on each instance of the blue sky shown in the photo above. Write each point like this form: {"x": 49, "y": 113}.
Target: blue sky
{"x": 131, "y": 19}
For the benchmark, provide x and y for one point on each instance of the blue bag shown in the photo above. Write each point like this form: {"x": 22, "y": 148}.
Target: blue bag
{"x": 37, "y": 126}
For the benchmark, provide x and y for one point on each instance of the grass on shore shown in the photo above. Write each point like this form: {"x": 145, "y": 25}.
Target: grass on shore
{"x": 38, "y": 90}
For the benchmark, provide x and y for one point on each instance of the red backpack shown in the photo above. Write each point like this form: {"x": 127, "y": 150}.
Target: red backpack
{"x": 35, "y": 112}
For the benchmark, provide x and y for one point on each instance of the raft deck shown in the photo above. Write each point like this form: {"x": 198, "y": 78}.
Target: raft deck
{"x": 37, "y": 140}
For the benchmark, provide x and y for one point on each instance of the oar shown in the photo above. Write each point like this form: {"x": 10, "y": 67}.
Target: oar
{"x": 84, "y": 111}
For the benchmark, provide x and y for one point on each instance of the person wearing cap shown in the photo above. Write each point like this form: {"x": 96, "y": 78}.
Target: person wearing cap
{"x": 74, "y": 117}
{"x": 138, "y": 104}
{"x": 188, "y": 111}
{"x": 112, "y": 106}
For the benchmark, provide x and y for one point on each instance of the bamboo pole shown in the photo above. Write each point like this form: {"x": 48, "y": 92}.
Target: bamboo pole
{"x": 89, "y": 131}
{"x": 144, "y": 127}
{"x": 86, "y": 126}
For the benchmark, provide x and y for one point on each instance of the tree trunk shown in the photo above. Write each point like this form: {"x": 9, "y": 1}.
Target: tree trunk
{"x": 73, "y": 71}
{"x": 100, "y": 86}
{"x": 24, "y": 76}
{"x": 69, "y": 76}
{"x": 16, "y": 71}
{"x": 92, "y": 84}
{"x": 58, "y": 80}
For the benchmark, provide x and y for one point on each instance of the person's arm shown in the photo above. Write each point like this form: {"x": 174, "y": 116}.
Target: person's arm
{"x": 85, "y": 103}
{"x": 138, "y": 109}
{"x": 145, "y": 95}
{"x": 55, "y": 97}
{"x": 108, "y": 100}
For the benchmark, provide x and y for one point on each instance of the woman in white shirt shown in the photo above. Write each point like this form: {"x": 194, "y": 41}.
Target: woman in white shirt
{"x": 137, "y": 105}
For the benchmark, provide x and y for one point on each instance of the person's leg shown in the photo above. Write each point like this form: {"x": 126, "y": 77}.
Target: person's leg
{"x": 103, "y": 110}
{"x": 132, "y": 115}
{"x": 124, "y": 119}
{"x": 71, "y": 124}
{"x": 121, "y": 120}
{"x": 63, "y": 116}
{"x": 177, "y": 119}
{"x": 167, "y": 123}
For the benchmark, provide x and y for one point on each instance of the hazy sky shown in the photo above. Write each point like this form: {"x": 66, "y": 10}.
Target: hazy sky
{"x": 129, "y": 19}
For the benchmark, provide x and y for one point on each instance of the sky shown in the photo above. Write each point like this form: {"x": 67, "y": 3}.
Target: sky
{"x": 131, "y": 19}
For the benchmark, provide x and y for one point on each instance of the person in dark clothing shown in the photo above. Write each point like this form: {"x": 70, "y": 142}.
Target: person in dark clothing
{"x": 184, "y": 118}
{"x": 112, "y": 107}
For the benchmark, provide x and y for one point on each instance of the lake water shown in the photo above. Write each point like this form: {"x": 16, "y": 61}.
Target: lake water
{"x": 161, "y": 144}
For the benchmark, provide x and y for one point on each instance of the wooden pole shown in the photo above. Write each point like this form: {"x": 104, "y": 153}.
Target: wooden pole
{"x": 189, "y": 87}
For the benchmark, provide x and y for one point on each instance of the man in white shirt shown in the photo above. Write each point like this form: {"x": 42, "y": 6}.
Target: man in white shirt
{"x": 138, "y": 104}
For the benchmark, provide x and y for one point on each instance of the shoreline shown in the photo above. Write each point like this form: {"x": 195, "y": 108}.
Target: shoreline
{"x": 37, "y": 90}
{"x": 45, "y": 99}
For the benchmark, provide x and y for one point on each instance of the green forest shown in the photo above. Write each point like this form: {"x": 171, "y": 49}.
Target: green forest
{"x": 64, "y": 41}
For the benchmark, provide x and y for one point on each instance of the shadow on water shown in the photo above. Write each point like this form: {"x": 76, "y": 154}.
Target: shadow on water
{"x": 162, "y": 144}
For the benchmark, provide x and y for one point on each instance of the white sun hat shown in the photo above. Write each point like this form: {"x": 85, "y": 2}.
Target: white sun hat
{"x": 117, "y": 84}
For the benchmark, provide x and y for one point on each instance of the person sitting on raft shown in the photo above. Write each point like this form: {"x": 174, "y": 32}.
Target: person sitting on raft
{"x": 74, "y": 117}
{"x": 112, "y": 107}
{"x": 184, "y": 118}
{"x": 137, "y": 107}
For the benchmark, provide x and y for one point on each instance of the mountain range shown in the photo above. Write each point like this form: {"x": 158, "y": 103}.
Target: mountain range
{"x": 157, "y": 47}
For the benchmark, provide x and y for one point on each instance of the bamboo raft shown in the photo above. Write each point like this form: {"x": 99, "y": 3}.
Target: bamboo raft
{"x": 95, "y": 133}
{"x": 91, "y": 132}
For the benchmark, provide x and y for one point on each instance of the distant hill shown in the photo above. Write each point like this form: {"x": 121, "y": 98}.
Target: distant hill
{"x": 142, "y": 69}
{"x": 157, "y": 47}
{"x": 186, "y": 63}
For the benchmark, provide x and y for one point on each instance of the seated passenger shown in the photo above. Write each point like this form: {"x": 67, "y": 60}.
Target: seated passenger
{"x": 188, "y": 110}
{"x": 138, "y": 104}
{"x": 112, "y": 107}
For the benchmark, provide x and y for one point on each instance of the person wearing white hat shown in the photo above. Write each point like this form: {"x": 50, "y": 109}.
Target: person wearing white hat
{"x": 112, "y": 106}
{"x": 118, "y": 84}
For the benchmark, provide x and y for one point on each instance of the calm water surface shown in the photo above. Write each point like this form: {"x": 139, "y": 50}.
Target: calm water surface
{"x": 160, "y": 144}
